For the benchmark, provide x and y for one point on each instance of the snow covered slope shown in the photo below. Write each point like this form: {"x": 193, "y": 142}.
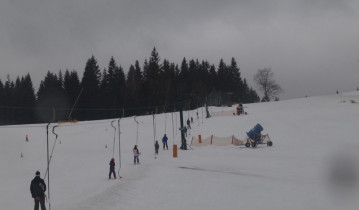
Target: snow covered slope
{"x": 312, "y": 137}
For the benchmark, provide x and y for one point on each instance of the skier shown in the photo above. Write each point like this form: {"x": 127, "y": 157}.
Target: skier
{"x": 164, "y": 141}
{"x": 188, "y": 124}
{"x": 112, "y": 169}
{"x": 185, "y": 131}
{"x": 37, "y": 189}
{"x": 136, "y": 153}
{"x": 27, "y": 137}
{"x": 191, "y": 119}
{"x": 157, "y": 146}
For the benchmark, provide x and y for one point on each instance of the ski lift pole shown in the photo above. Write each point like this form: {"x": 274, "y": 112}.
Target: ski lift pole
{"x": 53, "y": 148}
{"x": 48, "y": 158}
{"x": 154, "y": 131}
{"x": 119, "y": 143}
{"x": 137, "y": 130}
{"x": 173, "y": 130}
{"x": 114, "y": 138}
{"x": 165, "y": 123}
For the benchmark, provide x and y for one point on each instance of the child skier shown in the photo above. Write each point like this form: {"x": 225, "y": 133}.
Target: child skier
{"x": 157, "y": 146}
{"x": 136, "y": 153}
{"x": 164, "y": 141}
{"x": 112, "y": 169}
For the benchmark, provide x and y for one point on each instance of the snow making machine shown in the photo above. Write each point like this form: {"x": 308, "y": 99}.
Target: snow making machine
{"x": 255, "y": 137}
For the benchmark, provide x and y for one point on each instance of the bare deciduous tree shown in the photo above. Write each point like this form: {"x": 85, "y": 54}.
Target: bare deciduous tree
{"x": 265, "y": 82}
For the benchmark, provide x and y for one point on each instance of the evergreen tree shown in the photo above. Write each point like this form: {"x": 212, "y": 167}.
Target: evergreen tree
{"x": 134, "y": 90}
{"x": 115, "y": 80}
{"x": 183, "y": 79}
{"x": 152, "y": 80}
{"x": 9, "y": 89}
{"x": 51, "y": 96}
{"x": 196, "y": 83}
{"x": 119, "y": 91}
{"x": 236, "y": 82}
{"x": 170, "y": 83}
{"x": 90, "y": 96}
{"x": 105, "y": 94}
{"x": 61, "y": 79}
{"x": 111, "y": 83}
{"x": 25, "y": 97}
{"x": 72, "y": 90}
{"x": 2, "y": 108}
{"x": 139, "y": 82}
{"x": 131, "y": 87}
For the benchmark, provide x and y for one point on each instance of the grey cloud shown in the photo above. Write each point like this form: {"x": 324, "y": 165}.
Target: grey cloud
{"x": 298, "y": 39}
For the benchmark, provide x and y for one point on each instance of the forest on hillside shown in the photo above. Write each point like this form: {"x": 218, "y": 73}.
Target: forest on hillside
{"x": 153, "y": 87}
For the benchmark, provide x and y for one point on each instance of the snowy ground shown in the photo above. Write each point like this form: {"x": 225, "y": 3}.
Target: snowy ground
{"x": 309, "y": 136}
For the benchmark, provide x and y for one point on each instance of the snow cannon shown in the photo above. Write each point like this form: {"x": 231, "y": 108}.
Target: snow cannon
{"x": 255, "y": 131}
{"x": 255, "y": 137}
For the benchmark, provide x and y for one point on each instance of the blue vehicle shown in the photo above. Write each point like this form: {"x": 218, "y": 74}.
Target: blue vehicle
{"x": 255, "y": 137}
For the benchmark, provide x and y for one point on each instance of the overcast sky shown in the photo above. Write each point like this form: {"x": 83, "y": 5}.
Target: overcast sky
{"x": 312, "y": 46}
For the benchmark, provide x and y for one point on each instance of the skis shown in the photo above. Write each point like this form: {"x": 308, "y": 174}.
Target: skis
{"x": 115, "y": 178}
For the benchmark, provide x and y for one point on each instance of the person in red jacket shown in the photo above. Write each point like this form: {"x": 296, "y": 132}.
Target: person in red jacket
{"x": 112, "y": 168}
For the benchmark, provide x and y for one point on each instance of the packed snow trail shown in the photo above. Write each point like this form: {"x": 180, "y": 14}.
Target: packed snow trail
{"x": 308, "y": 134}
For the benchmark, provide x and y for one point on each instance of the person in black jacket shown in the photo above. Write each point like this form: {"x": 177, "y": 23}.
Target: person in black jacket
{"x": 157, "y": 146}
{"x": 188, "y": 124}
{"x": 38, "y": 188}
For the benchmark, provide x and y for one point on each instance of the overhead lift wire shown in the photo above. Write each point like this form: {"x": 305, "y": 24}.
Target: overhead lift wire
{"x": 93, "y": 109}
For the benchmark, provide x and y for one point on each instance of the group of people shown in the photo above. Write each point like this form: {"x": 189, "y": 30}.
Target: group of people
{"x": 38, "y": 186}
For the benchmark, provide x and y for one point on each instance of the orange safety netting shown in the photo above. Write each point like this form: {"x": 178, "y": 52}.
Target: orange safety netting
{"x": 218, "y": 141}
{"x": 222, "y": 113}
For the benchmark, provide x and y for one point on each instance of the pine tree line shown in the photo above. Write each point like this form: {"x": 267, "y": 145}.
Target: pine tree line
{"x": 110, "y": 93}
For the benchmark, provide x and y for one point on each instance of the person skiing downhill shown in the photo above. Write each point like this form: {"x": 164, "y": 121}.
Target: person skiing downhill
{"x": 157, "y": 146}
{"x": 136, "y": 153}
{"x": 37, "y": 189}
{"x": 112, "y": 168}
{"x": 164, "y": 141}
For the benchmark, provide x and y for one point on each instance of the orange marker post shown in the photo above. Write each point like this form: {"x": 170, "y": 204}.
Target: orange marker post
{"x": 175, "y": 150}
